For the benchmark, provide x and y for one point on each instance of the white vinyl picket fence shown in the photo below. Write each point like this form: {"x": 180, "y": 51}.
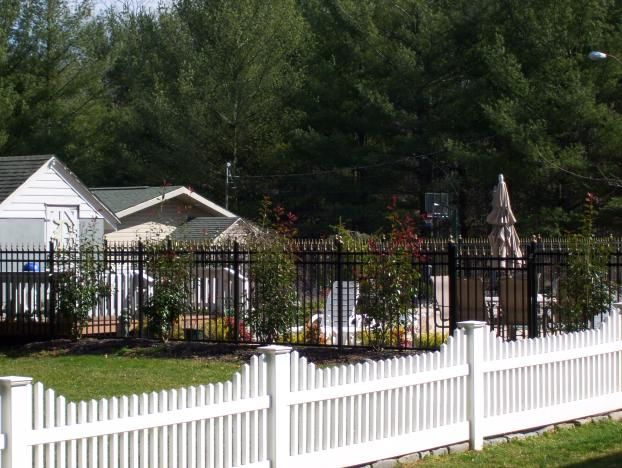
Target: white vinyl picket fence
{"x": 282, "y": 411}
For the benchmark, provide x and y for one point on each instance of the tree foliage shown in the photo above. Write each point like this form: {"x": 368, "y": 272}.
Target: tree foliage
{"x": 53, "y": 59}
{"x": 329, "y": 106}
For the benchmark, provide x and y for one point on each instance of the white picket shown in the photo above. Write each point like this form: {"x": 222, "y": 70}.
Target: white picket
{"x": 83, "y": 418}
{"x": 227, "y": 427}
{"x": 60, "y": 420}
{"x": 72, "y": 419}
{"x": 124, "y": 440}
{"x": 50, "y": 410}
{"x": 263, "y": 431}
{"x": 201, "y": 435}
{"x": 254, "y": 416}
{"x": 102, "y": 454}
{"x": 153, "y": 439}
{"x": 294, "y": 424}
{"x": 210, "y": 428}
{"x": 192, "y": 430}
{"x": 319, "y": 408}
{"x": 358, "y": 408}
{"x": 339, "y": 413}
{"x": 333, "y": 406}
{"x": 38, "y": 421}
{"x": 113, "y": 453}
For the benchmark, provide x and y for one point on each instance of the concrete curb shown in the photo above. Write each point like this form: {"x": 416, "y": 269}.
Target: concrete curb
{"x": 496, "y": 440}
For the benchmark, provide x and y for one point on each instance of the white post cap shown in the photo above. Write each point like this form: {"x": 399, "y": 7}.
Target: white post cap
{"x": 275, "y": 349}
{"x": 471, "y": 324}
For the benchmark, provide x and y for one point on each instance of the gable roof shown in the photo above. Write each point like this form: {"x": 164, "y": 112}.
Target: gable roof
{"x": 15, "y": 170}
{"x": 201, "y": 228}
{"x": 125, "y": 201}
{"x": 122, "y": 198}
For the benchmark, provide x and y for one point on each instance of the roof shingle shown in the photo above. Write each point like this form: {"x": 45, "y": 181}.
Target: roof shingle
{"x": 122, "y": 198}
{"x": 202, "y": 228}
{"x": 15, "y": 170}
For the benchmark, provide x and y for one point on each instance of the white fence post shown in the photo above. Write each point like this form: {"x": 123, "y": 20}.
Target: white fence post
{"x": 475, "y": 384}
{"x": 16, "y": 421}
{"x": 278, "y": 383}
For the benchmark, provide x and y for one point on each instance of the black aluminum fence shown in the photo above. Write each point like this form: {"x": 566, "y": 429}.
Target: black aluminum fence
{"x": 517, "y": 297}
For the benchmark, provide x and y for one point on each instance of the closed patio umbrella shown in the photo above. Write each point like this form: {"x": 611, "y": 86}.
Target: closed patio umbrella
{"x": 503, "y": 238}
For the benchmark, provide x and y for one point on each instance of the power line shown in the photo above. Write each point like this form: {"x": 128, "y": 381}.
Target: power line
{"x": 327, "y": 171}
{"x": 610, "y": 180}
{"x": 356, "y": 168}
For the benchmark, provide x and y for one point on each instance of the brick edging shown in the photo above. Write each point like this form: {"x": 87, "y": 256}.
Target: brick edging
{"x": 496, "y": 440}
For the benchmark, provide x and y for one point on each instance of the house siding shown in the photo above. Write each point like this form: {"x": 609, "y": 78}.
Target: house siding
{"x": 46, "y": 187}
{"x": 146, "y": 232}
{"x": 92, "y": 230}
{"x": 21, "y": 232}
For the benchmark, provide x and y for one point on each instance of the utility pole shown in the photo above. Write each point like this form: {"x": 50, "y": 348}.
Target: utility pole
{"x": 227, "y": 178}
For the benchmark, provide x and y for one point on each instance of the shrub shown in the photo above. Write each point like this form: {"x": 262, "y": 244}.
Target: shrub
{"x": 388, "y": 280}
{"x": 273, "y": 286}
{"x": 584, "y": 289}
{"x": 312, "y": 334}
{"x": 402, "y": 338}
{"x": 223, "y": 328}
{"x": 170, "y": 295}
{"x": 79, "y": 285}
{"x": 272, "y": 275}
{"x": 430, "y": 340}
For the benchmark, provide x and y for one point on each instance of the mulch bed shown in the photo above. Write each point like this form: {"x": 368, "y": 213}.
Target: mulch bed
{"x": 141, "y": 347}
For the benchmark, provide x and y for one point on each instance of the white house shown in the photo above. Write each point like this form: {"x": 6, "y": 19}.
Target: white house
{"x": 154, "y": 213}
{"x": 41, "y": 200}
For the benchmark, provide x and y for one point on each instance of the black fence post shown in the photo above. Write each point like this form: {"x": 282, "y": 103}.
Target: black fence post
{"x": 452, "y": 256}
{"x": 236, "y": 291}
{"x": 52, "y": 283}
{"x": 339, "y": 295}
{"x": 141, "y": 295}
{"x": 532, "y": 291}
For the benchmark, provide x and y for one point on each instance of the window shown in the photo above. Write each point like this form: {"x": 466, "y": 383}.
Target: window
{"x": 62, "y": 225}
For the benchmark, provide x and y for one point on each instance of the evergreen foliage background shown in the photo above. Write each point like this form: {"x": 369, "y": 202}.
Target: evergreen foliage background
{"x": 328, "y": 106}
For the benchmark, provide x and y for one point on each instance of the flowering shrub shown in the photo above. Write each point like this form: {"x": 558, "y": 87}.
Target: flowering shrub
{"x": 388, "y": 280}
{"x": 272, "y": 275}
{"x": 403, "y": 338}
{"x": 311, "y": 335}
{"x": 223, "y": 328}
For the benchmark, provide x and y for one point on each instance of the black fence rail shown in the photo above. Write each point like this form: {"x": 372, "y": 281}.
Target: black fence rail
{"x": 335, "y": 295}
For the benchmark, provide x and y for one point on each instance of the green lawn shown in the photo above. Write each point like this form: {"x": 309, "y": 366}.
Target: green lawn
{"x": 596, "y": 445}
{"x": 82, "y": 377}
{"x": 122, "y": 372}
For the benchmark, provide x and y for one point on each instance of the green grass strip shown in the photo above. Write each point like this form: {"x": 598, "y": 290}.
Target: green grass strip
{"x": 85, "y": 377}
{"x": 596, "y": 445}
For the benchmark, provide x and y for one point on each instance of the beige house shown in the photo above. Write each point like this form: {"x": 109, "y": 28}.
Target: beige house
{"x": 154, "y": 213}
